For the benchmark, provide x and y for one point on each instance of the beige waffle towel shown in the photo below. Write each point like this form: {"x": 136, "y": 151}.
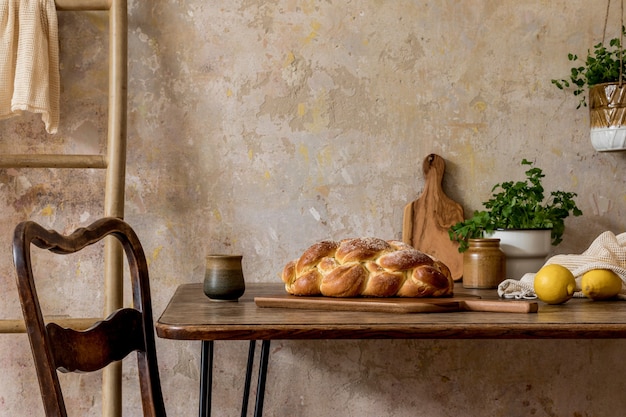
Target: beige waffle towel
{"x": 608, "y": 251}
{"x": 29, "y": 60}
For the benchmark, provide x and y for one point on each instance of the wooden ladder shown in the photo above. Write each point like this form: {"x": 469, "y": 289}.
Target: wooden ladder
{"x": 114, "y": 162}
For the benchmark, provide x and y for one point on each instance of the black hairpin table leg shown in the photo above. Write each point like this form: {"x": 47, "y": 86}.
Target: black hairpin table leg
{"x": 206, "y": 377}
{"x": 246, "y": 388}
{"x": 260, "y": 395}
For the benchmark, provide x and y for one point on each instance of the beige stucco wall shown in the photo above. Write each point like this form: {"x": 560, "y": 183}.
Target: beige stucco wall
{"x": 261, "y": 127}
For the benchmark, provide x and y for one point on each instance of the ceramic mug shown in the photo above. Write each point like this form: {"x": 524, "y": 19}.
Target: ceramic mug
{"x": 223, "y": 277}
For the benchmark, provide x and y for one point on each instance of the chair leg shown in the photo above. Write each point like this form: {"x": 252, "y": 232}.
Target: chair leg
{"x": 206, "y": 377}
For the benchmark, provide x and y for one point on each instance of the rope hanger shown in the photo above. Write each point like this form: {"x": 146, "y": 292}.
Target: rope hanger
{"x": 621, "y": 35}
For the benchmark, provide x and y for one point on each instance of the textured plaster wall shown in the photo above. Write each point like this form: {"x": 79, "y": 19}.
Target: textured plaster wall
{"x": 261, "y": 127}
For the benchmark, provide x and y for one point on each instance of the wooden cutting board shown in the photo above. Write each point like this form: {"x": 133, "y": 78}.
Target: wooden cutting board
{"x": 398, "y": 305}
{"x": 427, "y": 220}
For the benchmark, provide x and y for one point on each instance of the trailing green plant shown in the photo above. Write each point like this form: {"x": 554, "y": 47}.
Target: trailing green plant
{"x": 601, "y": 66}
{"x": 519, "y": 205}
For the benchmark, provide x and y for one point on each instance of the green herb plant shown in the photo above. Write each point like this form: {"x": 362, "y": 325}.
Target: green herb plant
{"x": 601, "y": 66}
{"x": 519, "y": 205}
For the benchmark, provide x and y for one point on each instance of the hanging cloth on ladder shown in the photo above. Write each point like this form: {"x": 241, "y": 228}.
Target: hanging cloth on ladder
{"x": 29, "y": 60}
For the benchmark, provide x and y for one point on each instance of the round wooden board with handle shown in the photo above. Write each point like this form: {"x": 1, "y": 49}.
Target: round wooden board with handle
{"x": 427, "y": 220}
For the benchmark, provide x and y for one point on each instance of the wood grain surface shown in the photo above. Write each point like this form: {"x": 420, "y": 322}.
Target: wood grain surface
{"x": 426, "y": 220}
{"x": 190, "y": 315}
{"x": 398, "y": 305}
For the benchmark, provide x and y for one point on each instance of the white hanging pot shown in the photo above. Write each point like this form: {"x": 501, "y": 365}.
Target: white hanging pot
{"x": 526, "y": 250}
{"x": 607, "y": 115}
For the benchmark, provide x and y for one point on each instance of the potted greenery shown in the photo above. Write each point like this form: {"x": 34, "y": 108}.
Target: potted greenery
{"x": 602, "y": 74}
{"x": 519, "y": 207}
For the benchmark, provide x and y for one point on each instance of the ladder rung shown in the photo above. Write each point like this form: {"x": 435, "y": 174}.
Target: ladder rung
{"x": 18, "y": 326}
{"x": 52, "y": 161}
{"x": 83, "y": 4}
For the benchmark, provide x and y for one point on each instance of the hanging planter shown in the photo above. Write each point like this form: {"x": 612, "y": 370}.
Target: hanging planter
{"x": 607, "y": 115}
{"x": 603, "y": 74}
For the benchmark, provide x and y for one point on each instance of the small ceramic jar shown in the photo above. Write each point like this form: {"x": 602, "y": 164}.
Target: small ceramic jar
{"x": 484, "y": 264}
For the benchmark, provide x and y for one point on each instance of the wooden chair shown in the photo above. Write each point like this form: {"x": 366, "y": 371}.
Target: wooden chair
{"x": 68, "y": 350}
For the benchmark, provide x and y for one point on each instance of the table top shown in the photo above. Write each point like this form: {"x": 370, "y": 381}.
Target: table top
{"x": 190, "y": 315}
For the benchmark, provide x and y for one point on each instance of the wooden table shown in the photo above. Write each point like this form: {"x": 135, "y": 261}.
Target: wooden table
{"x": 190, "y": 315}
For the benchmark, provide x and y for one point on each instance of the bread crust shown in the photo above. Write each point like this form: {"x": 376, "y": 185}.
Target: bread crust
{"x": 369, "y": 267}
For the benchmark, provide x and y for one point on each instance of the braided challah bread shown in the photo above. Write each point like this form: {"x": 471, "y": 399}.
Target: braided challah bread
{"x": 368, "y": 267}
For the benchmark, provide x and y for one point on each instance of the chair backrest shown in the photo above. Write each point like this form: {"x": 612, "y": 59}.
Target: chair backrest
{"x": 67, "y": 350}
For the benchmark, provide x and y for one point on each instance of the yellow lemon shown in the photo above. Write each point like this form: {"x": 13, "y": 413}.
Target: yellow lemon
{"x": 554, "y": 284}
{"x": 600, "y": 284}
